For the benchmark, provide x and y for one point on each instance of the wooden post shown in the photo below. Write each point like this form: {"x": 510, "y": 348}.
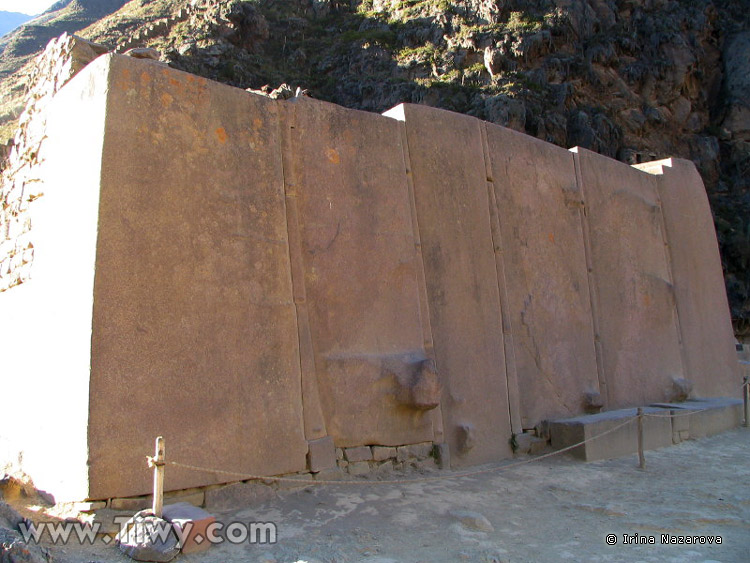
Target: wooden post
{"x": 157, "y": 462}
{"x": 746, "y": 396}
{"x": 641, "y": 457}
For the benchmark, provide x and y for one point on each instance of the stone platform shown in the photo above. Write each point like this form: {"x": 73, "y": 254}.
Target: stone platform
{"x": 664, "y": 424}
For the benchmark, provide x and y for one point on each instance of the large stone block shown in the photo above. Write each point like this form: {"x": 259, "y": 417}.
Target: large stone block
{"x": 346, "y": 172}
{"x": 47, "y": 330}
{"x": 321, "y": 454}
{"x": 705, "y": 321}
{"x": 632, "y": 282}
{"x": 657, "y": 433}
{"x": 452, "y": 208}
{"x": 539, "y": 211}
{"x": 705, "y": 417}
{"x": 195, "y": 334}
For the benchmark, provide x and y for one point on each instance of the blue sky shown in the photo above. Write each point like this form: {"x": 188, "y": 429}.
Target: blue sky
{"x": 31, "y": 7}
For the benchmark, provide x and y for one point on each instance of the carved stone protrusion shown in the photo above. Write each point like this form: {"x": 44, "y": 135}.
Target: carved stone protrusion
{"x": 420, "y": 388}
{"x": 593, "y": 401}
{"x": 681, "y": 389}
{"x": 465, "y": 437}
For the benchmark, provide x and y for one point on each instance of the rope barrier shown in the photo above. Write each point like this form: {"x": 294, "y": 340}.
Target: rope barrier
{"x": 301, "y": 481}
{"x": 690, "y": 413}
{"x": 248, "y": 476}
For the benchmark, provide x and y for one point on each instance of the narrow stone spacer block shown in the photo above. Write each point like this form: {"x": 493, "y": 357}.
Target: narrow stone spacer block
{"x": 321, "y": 454}
{"x": 190, "y": 524}
{"x": 442, "y": 455}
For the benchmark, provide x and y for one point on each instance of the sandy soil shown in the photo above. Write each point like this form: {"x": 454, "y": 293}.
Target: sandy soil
{"x": 557, "y": 509}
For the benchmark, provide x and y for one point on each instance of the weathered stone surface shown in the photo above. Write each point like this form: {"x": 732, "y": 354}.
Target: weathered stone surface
{"x": 699, "y": 418}
{"x": 537, "y": 445}
{"x": 452, "y": 209}
{"x": 522, "y": 442}
{"x": 321, "y": 454}
{"x": 56, "y": 309}
{"x": 705, "y": 323}
{"x": 194, "y": 496}
{"x": 539, "y": 208}
{"x": 190, "y": 524}
{"x": 309, "y": 271}
{"x": 415, "y": 451}
{"x": 140, "y": 539}
{"x": 657, "y": 433}
{"x": 382, "y": 453}
{"x": 351, "y": 192}
{"x": 203, "y": 258}
{"x": 361, "y": 453}
{"x": 419, "y": 386}
{"x": 14, "y": 550}
{"x": 635, "y": 303}
{"x": 130, "y": 503}
{"x": 238, "y": 494}
{"x": 442, "y": 455}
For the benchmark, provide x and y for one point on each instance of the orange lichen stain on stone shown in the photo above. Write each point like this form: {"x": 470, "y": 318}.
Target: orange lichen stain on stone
{"x": 221, "y": 134}
{"x": 166, "y": 100}
{"x": 647, "y": 300}
{"x": 124, "y": 81}
{"x": 145, "y": 78}
{"x": 333, "y": 156}
{"x": 257, "y": 123}
{"x": 552, "y": 238}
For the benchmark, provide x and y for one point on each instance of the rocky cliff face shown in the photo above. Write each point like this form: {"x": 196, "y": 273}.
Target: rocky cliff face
{"x": 637, "y": 80}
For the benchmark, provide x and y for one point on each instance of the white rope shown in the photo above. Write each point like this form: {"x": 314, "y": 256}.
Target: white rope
{"x": 248, "y": 476}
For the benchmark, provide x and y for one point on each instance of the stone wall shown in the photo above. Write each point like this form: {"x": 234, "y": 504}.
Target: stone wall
{"x": 20, "y": 182}
{"x": 284, "y": 287}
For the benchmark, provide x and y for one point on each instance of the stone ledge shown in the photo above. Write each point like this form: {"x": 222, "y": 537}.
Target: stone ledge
{"x": 711, "y": 417}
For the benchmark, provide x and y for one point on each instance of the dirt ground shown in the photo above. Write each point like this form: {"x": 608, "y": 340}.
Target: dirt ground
{"x": 557, "y": 509}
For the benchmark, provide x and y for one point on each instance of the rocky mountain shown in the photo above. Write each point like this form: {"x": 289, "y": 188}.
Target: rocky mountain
{"x": 11, "y": 20}
{"x": 22, "y": 44}
{"x": 636, "y": 80}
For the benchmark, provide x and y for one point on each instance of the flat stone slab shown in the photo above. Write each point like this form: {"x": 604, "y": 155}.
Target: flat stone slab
{"x": 657, "y": 433}
{"x": 672, "y": 425}
{"x": 712, "y": 416}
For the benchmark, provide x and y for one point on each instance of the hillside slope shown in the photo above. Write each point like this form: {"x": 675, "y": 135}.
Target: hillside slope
{"x": 11, "y": 20}
{"x": 637, "y": 80}
{"x": 19, "y": 46}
